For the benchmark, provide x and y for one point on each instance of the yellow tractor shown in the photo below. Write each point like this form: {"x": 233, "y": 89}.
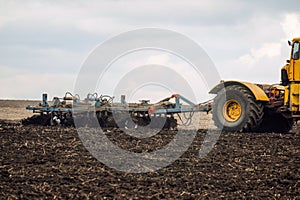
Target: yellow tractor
{"x": 247, "y": 107}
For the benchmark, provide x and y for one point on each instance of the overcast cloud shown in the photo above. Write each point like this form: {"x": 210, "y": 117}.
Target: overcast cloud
{"x": 43, "y": 43}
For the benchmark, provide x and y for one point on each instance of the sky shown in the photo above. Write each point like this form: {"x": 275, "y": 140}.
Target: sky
{"x": 43, "y": 44}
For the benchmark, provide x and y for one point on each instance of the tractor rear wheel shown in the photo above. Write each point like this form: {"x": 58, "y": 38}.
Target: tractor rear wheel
{"x": 235, "y": 109}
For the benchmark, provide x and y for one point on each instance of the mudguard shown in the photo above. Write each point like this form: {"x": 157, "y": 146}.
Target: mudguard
{"x": 257, "y": 91}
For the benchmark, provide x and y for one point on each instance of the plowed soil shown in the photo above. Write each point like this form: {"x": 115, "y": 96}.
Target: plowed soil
{"x": 51, "y": 162}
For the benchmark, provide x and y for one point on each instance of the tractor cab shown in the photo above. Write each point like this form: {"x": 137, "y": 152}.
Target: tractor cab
{"x": 290, "y": 78}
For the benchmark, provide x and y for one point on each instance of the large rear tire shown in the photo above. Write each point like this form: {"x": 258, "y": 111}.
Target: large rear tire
{"x": 235, "y": 109}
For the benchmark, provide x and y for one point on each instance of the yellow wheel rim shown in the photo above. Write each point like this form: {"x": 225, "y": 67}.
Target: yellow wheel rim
{"x": 232, "y": 110}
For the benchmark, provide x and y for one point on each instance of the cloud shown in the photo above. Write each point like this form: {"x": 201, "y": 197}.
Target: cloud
{"x": 54, "y": 38}
{"x": 267, "y": 50}
{"x": 291, "y": 25}
{"x": 40, "y": 59}
{"x": 162, "y": 59}
{"x": 262, "y": 61}
{"x": 127, "y": 65}
{"x": 7, "y": 71}
{"x": 32, "y": 85}
{"x": 109, "y": 17}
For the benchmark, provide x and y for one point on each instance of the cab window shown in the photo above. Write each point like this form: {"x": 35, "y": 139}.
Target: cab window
{"x": 295, "y": 54}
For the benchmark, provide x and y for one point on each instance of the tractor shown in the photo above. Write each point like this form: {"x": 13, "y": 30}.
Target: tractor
{"x": 248, "y": 107}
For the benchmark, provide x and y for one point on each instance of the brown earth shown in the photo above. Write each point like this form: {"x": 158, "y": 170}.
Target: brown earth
{"x": 15, "y": 109}
{"x": 51, "y": 162}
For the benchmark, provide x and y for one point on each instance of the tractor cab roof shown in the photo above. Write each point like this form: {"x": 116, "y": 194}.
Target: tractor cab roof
{"x": 296, "y": 39}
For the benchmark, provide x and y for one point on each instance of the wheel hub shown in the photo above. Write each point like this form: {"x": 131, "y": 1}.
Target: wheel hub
{"x": 232, "y": 110}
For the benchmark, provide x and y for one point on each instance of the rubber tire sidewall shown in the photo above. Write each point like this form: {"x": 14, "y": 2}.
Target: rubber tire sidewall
{"x": 219, "y": 103}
